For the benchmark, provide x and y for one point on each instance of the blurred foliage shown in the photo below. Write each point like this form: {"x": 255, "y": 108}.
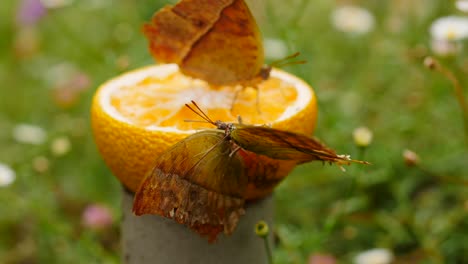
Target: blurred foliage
{"x": 375, "y": 80}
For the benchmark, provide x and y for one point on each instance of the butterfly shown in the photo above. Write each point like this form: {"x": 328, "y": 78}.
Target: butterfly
{"x": 199, "y": 182}
{"x": 275, "y": 143}
{"x": 216, "y": 41}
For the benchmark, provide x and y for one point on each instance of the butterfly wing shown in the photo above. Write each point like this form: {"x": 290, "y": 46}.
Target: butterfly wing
{"x": 199, "y": 183}
{"x": 174, "y": 29}
{"x": 214, "y": 40}
{"x": 231, "y": 52}
{"x": 284, "y": 145}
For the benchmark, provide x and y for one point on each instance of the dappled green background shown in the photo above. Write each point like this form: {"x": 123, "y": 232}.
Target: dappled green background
{"x": 375, "y": 80}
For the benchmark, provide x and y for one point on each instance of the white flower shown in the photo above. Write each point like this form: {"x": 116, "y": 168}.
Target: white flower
{"x": 275, "y": 49}
{"x": 374, "y": 256}
{"x": 60, "y": 146}
{"x": 450, "y": 28}
{"x": 462, "y": 5}
{"x": 30, "y": 134}
{"x": 362, "y": 136}
{"x": 353, "y": 19}
{"x": 445, "y": 48}
{"x": 7, "y": 175}
{"x": 56, "y": 3}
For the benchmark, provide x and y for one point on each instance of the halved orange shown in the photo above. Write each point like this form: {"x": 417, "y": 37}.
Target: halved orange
{"x": 138, "y": 115}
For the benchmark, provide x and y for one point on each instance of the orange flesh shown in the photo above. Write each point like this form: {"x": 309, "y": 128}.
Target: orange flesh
{"x": 152, "y": 102}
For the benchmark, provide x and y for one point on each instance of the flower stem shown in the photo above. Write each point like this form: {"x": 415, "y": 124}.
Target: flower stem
{"x": 268, "y": 250}
{"x": 433, "y": 64}
{"x": 262, "y": 230}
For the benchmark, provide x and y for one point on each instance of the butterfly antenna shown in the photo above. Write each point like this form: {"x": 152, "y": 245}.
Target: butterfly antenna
{"x": 287, "y": 61}
{"x": 290, "y": 63}
{"x": 346, "y": 159}
{"x": 196, "y": 121}
{"x": 202, "y": 112}
{"x": 199, "y": 112}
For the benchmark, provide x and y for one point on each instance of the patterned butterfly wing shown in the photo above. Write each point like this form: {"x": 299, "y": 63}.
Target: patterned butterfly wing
{"x": 214, "y": 40}
{"x": 199, "y": 182}
{"x": 284, "y": 145}
{"x": 174, "y": 29}
{"x": 231, "y": 52}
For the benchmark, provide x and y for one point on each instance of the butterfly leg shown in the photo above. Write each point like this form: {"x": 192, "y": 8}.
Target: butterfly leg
{"x": 234, "y": 151}
{"x": 258, "y": 99}
{"x": 236, "y": 94}
{"x": 239, "y": 119}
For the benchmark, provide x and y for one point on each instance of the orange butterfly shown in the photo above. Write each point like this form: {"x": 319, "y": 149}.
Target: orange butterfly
{"x": 216, "y": 41}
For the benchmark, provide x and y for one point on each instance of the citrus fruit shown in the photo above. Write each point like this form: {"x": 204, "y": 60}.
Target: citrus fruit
{"x": 140, "y": 114}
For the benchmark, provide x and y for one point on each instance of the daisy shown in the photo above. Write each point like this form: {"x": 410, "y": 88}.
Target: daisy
{"x": 374, "y": 256}
{"x": 353, "y": 19}
{"x": 450, "y": 28}
{"x": 275, "y": 49}
{"x": 29, "y": 134}
{"x": 7, "y": 175}
{"x": 462, "y": 5}
{"x": 362, "y": 136}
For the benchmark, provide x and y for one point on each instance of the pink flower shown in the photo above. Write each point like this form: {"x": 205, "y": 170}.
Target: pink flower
{"x": 97, "y": 217}
{"x": 318, "y": 258}
{"x": 30, "y": 12}
{"x": 67, "y": 92}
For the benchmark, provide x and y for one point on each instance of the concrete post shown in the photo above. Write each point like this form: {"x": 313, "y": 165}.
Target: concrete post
{"x": 157, "y": 240}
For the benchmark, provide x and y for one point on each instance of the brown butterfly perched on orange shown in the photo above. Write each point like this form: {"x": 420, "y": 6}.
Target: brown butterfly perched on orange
{"x": 201, "y": 181}
{"x": 216, "y": 41}
{"x": 275, "y": 143}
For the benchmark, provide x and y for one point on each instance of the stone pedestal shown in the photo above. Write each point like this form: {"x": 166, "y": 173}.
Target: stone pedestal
{"x": 157, "y": 240}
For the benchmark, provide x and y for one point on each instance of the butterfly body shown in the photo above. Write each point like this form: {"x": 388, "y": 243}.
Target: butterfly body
{"x": 275, "y": 143}
{"x": 282, "y": 145}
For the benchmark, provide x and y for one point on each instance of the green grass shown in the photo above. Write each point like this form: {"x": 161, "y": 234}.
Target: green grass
{"x": 377, "y": 80}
